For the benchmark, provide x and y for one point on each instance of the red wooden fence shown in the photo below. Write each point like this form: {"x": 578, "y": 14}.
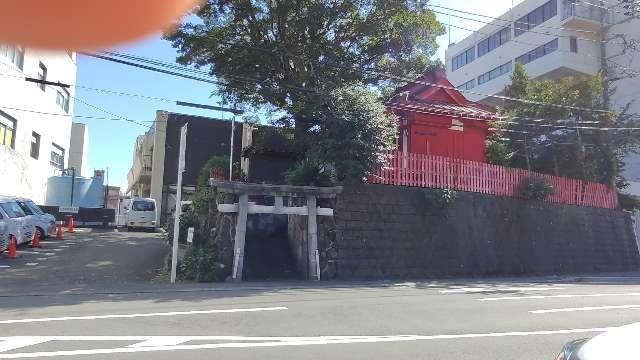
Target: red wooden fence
{"x": 463, "y": 175}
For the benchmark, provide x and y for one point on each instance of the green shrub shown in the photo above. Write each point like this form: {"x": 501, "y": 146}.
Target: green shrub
{"x": 498, "y": 153}
{"x": 534, "y": 188}
{"x": 220, "y": 163}
{"x": 439, "y": 198}
{"x": 309, "y": 173}
{"x": 201, "y": 265}
{"x": 629, "y": 202}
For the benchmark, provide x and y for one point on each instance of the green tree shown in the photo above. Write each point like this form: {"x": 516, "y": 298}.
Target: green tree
{"x": 356, "y": 132}
{"x": 290, "y": 56}
{"x": 560, "y": 140}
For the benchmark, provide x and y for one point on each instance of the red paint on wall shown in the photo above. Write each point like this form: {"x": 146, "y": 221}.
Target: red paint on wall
{"x": 437, "y": 119}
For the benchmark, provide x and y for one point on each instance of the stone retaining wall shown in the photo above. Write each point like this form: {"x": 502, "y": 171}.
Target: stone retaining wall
{"x": 384, "y": 231}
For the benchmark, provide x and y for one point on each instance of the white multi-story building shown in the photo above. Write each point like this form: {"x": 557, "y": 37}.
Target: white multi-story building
{"x": 35, "y": 119}
{"x": 553, "y": 39}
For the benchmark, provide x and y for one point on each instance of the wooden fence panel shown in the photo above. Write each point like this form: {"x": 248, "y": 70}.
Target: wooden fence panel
{"x": 441, "y": 172}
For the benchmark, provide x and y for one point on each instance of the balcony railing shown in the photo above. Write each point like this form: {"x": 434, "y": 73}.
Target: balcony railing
{"x": 580, "y": 10}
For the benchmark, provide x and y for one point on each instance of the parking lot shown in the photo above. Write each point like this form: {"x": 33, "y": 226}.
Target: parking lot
{"x": 88, "y": 258}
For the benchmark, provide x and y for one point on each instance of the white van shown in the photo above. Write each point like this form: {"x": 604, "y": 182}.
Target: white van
{"x": 44, "y": 223}
{"x": 16, "y": 221}
{"x": 141, "y": 213}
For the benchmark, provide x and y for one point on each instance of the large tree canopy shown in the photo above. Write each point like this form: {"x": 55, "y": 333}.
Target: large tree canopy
{"x": 284, "y": 52}
{"x": 317, "y": 61}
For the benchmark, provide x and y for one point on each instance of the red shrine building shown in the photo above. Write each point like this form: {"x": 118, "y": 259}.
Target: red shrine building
{"x": 439, "y": 120}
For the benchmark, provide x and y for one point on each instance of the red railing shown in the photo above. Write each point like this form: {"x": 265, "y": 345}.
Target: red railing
{"x": 463, "y": 175}
{"x": 218, "y": 174}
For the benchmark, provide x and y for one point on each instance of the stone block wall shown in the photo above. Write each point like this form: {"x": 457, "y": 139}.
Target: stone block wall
{"x": 381, "y": 231}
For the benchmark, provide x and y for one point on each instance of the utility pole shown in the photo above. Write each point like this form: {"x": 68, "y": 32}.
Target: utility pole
{"x": 178, "y": 211}
{"x": 606, "y": 96}
{"x": 73, "y": 182}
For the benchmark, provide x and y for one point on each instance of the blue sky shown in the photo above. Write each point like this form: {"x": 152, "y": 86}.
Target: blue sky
{"x": 111, "y": 142}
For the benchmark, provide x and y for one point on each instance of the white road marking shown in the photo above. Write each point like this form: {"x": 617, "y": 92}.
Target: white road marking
{"x": 161, "y": 341}
{"x": 5, "y": 266}
{"x": 255, "y": 342}
{"x": 126, "y": 316}
{"x": 31, "y": 264}
{"x": 20, "y": 342}
{"x": 562, "y": 296}
{"x": 41, "y": 259}
{"x": 486, "y": 289}
{"x": 588, "y": 308}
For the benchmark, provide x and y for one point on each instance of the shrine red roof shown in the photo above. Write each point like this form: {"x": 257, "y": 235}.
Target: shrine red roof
{"x": 470, "y": 111}
{"x": 433, "y": 94}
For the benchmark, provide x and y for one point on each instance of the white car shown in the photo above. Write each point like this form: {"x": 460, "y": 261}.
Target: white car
{"x": 16, "y": 221}
{"x": 44, "y": 223}
{"x": 616, "y": 344}
{"x": 141, "y": 213}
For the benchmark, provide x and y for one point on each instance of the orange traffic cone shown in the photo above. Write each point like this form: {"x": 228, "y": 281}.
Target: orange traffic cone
{"x": 59, "y": 232}
{"x": 70, "y": 225}
{"x": 35, "y": 243}
{"x": 12, "y": 251}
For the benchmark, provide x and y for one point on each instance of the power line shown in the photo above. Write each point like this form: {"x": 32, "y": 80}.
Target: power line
{"x": 510, "y": 21}
{"x": 407, "y": 80}
{"x": 633, "y": 71}
{"x": 150, "y": 68}
{"x": 106, "y": 111}
{"x": 180, "y": 67}
{"x": 334, "y": 65}
{"x": 70, "y": 115}
{"x": 530, "y": 31}
{"x": 567, "y": 127}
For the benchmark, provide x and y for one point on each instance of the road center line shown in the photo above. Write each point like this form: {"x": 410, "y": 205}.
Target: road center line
{"x": 562, "y": 296}
{"x": 126, "y": 316}
{"x": 588, "y": 308}
{"x": 292, "y": 341}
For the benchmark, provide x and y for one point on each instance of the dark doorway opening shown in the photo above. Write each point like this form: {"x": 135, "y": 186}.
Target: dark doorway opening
{"x": 268, "y": 255}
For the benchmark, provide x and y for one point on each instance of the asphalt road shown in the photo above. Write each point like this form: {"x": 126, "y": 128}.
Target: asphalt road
{"x": 470, "y": 320}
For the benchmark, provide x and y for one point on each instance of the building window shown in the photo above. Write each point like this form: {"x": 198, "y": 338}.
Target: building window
{"x": 42, "y": 76}
{"x": 536, "y": 17}
{"x": 497, "y": 72}
{"x": 15, "y": 54}
{"x": 573, "y": 41}
{"x": 35, "y": 145}
{"x": 57, "y": 156}
{"x": 463, "y": 59}
{"x": 62, "y": 99}
{"x": 7, "y": 130}
{"x": 468, "y": 85}
{"x": 496, "y": 40}
{"x": 538, "y": 52}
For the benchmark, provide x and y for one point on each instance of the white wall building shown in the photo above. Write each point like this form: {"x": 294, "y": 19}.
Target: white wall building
{"x": 553, "y": 39}
{"x": 35, "y": 120}
{"x": 79, "y": 148}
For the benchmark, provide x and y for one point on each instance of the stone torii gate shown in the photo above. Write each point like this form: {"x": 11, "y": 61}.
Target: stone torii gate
{"x": 243, "y": 208}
